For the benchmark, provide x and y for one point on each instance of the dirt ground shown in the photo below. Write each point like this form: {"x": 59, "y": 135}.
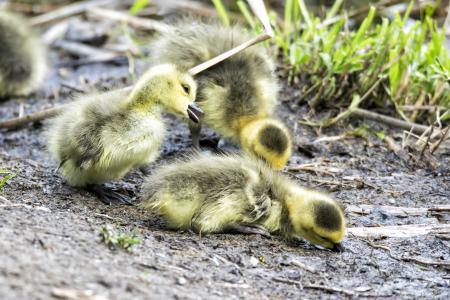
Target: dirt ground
{"x": 50, "y": 247}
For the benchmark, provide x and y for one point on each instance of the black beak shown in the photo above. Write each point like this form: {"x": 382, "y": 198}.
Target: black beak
{"x": 195, "y": 113}
{"x": 338, "y": 248}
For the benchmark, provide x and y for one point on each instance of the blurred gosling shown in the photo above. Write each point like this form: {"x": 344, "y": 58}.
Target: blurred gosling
{"x": 23, "y": 61}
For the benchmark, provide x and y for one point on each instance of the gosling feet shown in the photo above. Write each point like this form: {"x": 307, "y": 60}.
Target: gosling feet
{"x": 109, "y": 196}
{"x": 245, "y": 229}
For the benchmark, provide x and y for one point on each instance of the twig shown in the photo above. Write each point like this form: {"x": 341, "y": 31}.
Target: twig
{"x": 72, "y": 87}
{"x": 80, "y": 49}
{"x": 443, "y": 137}
{"x": 426, "y": 145}
{"x": 194, "y": 7}
{"x": 34, "y": 117}
{"x": 115, "y": 58}
{"x": 260, "y": 12}
{"x": 400, "y": 231}
{"x": 422, "y": 107}
{"x": 304, "y": 266}
{"x": 41, "y": 208}
{"x": 67, "y": 11}
{"x": 27, "y": 8}
{"x": 446, "y": 25}
{"x": 407, "y": 258}
{"x": 330, "y": 289}
{"x": 416, "y": 128}
{"x": 200, "y": 68}
{"x": 139, "y": 23}
{"x": 71, "y": 294}
{"x": 392, "y": 145}
{"x": 316, "y": 286}
{"x": 5, "y": 200}
{"x": 315, "y": 168}
{"x": 56, "y": 32}
{"x": 327, "y": 139}
{"x": 364, "y": 209}
{"x": 107, "y": 217}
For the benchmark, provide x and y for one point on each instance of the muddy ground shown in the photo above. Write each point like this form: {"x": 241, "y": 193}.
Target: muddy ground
{"x": 50, "y": 247}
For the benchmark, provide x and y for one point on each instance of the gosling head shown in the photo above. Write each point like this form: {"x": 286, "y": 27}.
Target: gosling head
{"x": 171, "y": 88}
{"x": 316, "y": 218}
{"x": 268, "y": 139}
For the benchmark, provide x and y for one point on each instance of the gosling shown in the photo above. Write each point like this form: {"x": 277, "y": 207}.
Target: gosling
{"x": 101, "y": 137}
{"x": 23, "y": 61}
{"x": 238, "y": 95}
{"x": 211, "y": 194}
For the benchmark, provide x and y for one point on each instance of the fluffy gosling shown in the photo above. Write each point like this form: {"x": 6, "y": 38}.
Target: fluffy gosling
{"x": 215, "y": 193}
{"x": 238, "y": 95}
{"x": 101, "y": 137}
{"x": 23, "y": 61}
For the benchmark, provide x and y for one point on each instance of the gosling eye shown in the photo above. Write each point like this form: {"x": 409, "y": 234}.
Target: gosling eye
{"x": 186, "y": 88}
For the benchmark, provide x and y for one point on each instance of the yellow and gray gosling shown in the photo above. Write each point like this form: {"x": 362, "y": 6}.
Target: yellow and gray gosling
{"x": 101, "y": 137}
{"x": 215, "y": 193}
{"x": 238, "y": 95}
{"x": 23, "y": 60}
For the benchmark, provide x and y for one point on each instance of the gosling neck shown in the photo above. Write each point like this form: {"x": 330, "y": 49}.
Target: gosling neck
{"x": 143, "y": 101}
{"x": 291, "y": 205}
{"x": 249, "y": 131}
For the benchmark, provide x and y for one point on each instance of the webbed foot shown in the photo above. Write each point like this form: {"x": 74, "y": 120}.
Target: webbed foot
{"x": 259, "y": 208}
{"x": 109, "y": 196}
{"x": 246, "y": 229}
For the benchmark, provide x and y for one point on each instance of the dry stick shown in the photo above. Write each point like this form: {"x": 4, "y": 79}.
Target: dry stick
{"x": 413, "y": 259}
{"x": 447, "y": 21}
{"x": 426, "y": 145}
{"x": 443, "y": 137}
{"x": 67, "y": 11}
{"x": 136, "y": 22}
{"x": 316, "y": 286}
{"x": 80, "y": 49}
{"x": 400, "y": 231}
{"x": 414, "y": 127}
{"x": 194, "y": 7}
{"x": 365, "y": 209}
{"x": 34, "y": 117}
{"x": 229, "y": 53}
{"x": 260, "y": 12}
{"x": 304, "y": 266}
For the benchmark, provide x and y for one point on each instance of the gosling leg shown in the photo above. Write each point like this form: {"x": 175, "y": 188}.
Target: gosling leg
{"x": 108, "y": 196}
{"x": 195, "y": 129}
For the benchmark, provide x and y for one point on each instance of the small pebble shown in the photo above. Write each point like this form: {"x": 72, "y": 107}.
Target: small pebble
{"x": 181, "y": 281}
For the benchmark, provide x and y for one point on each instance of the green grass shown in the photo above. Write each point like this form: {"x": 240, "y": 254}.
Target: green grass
{"x": 116, "y": 240}
{"x": 5, "y": 176}
{"x": 381, "y": 63}
{"x": 138, "y": 5}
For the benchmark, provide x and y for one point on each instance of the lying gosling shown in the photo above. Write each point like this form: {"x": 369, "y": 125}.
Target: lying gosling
{"x": 101, "y": 137}
{"x": 23, "y": 61}
{"x": 214, "y": 193}
{"x": 238, "y": 95}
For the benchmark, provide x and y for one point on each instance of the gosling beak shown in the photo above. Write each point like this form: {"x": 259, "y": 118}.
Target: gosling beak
{"x": 195, "y": 113}
{"x": 338, "y": 248}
